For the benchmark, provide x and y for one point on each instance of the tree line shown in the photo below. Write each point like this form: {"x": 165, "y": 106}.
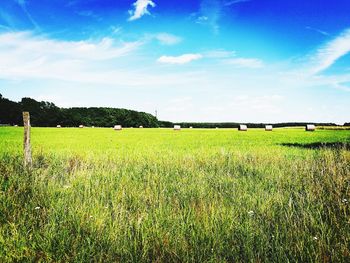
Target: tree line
{"x": 47, "y": 114}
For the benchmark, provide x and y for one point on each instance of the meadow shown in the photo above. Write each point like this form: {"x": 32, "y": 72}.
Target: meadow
{"x": 158, "y": 195}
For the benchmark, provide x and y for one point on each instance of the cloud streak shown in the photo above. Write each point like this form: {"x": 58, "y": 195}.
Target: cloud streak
{"x": 317, "y": 30}
{"x": 23, "y": 5}
{"x": 168, "y": 39}
{"x": 328, "y": 54}
{"x": 233, "y": 2}
{"x": 140, "y": 9}
{"x": 183, "y": 59}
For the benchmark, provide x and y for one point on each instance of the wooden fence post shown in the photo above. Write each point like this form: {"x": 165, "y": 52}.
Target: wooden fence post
{"x": 26, "y": 142}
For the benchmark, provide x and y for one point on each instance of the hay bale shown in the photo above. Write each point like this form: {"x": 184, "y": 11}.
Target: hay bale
{"x": 93, "y": 127}
{"x": 141, "y": 127}
{"x": 58, "y": 126}
{"x": 81, "y": 126}
{"x": 177, "y": 128}
{"x": 191, "y": 127}
{"x": 118, "y": 127}
{"x": 268, "y": 127}
{"x": 310, "y": 127}
{"x": 243, "y": 127}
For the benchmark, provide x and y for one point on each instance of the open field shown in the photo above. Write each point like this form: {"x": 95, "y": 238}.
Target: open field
{"x": 156, "y": 195}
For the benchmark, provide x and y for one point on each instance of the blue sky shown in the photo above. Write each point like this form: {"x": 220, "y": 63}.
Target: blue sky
{"x": 204, "y": 60}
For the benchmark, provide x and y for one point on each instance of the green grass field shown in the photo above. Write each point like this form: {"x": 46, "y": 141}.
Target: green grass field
{"x": 156, "y": 195}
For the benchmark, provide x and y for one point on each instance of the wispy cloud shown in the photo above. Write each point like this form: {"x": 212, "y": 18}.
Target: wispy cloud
{"x": 140, "y": 9}
{"x": 342, "y": 86}
{"x": 211, "y": 11}
{"x": 317, "y": 30}
{"x": 233, "y": 2}
{"x": 328, "y": 54}
{"x": 89, "y": 13}
{"x": 183, "y": 59}
{"x": 7, "y": 18}
{"x": 23, "y": 5}
{"x": 4, "y": 27}
{"x": 168, "y": 39}
{"x": 25, "y": 56}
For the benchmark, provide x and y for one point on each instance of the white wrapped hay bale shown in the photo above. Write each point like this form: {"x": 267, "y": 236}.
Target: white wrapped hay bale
{"x": 243, "y": 127}
{"x": 141, "y": 127}
{"x": 310, "y": 127}
{"x": 177, "y": 128}
{"x": 58, "y": 126}
{"x": 268, "y": 127}
{"x": 117, "y": 127}
{"x": 191, "y": 127}
{"x": 81, "y": 126}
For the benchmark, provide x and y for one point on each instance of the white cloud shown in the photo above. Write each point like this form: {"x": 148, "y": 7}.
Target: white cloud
{"x": 24, "y": 44}
{"x": 327, "y": 55}
{"x": 24, "y": 56}
{"x": 183, "y": 59}
{"x": 245, "y": 62}
{"x": 168, "y": 39}
{"x": 141, "y": 8}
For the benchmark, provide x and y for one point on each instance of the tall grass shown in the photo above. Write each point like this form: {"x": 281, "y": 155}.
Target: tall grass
{"x": 155, "y": 195}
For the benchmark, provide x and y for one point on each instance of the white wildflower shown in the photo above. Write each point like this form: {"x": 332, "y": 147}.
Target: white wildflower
{"x": 251, "y": 213}
{"x": 37, "y": 208}
{"x": 315, "y": 238}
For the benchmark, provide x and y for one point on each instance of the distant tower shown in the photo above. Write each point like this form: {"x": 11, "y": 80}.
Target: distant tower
{"x": 156, "y": 114}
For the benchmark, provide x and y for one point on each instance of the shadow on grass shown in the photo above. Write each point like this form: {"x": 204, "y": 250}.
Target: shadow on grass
{"x": 319, "y": 145}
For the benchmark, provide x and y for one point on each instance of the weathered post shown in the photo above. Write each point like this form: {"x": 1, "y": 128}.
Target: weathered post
{"x": 26, "y": 142}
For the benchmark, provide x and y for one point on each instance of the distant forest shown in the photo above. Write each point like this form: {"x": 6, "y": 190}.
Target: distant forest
{"x": 47, "y": 114}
